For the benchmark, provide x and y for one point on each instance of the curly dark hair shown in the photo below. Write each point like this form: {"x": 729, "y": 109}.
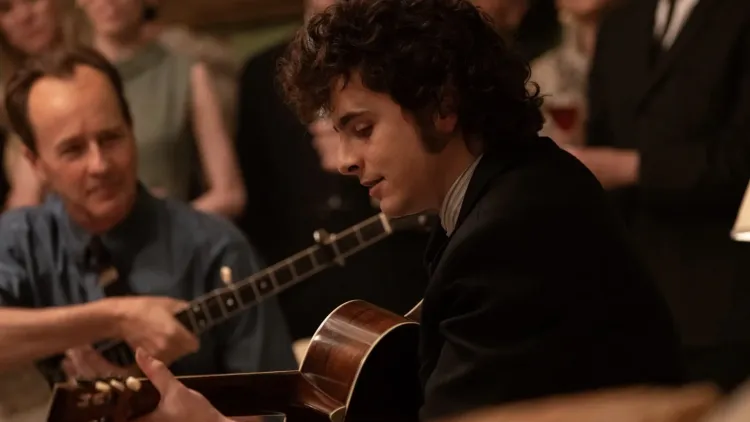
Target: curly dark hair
{"x": 418, "y": 52}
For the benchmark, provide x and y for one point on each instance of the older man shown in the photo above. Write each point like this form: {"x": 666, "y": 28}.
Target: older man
{"x": 57, "y": 260}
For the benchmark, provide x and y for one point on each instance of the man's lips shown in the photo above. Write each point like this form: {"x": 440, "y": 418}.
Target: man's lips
{"x": 373, "y": 185}
{"x": 372, "y": 182}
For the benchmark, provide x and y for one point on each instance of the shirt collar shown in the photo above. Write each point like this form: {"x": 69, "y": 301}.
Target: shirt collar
{"x": 137, "y": 228}
{"x": 454, "y": 199}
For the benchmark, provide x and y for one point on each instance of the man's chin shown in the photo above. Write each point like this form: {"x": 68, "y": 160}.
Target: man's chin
{"x": 109, "y": 207}
{"x": 396, "y": 209}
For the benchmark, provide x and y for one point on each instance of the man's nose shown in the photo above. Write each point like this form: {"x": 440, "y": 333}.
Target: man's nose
{"x": 349, "y": 162}
{"x": 98, "y": 162}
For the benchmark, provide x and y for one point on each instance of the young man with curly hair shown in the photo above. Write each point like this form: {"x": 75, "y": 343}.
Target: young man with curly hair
{"x": 534, "y": 290}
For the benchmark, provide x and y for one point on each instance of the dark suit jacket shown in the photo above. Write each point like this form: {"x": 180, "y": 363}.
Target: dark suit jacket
{"x": 688, "y": 113}
{"x": 290, "y": 196}
{"x": 537, "y": 291}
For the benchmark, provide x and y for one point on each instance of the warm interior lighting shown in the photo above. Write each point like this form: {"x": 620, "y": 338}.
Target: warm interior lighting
{"x": 741, "y": 229}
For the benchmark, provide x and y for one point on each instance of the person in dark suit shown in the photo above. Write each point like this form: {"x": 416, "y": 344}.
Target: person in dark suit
{"x": 534, "y": 290}
{"x": 670, "y": 137}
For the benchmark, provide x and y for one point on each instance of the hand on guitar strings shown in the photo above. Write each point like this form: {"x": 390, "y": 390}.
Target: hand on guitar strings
{"x": 85, "y": 363}
{"x": 178, "y": 403}
{"x": 150, "y": 323}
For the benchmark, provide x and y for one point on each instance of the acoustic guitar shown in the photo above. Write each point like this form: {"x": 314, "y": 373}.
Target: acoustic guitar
{"x": 26, "y": 401}
{"x": 361, "y": 365}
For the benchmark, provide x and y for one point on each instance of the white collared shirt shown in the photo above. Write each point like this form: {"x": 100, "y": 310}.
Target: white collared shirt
{"x": 454, "y": 199}
{"x": 681, "y": 13}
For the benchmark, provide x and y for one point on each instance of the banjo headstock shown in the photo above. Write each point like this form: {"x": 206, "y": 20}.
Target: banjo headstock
{"x": 107, "y": 399}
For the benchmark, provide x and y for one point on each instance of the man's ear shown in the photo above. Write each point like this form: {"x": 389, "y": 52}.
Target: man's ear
{"x": 33, "y": 159}
{"x": 446, "y": 117}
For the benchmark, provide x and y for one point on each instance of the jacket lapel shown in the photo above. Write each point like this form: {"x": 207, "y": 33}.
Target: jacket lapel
{"x": 639, "y": 55}
{"x": 435, "y": 246}
{"x": 698, "y": 18}
{"x": 491, "y": 164}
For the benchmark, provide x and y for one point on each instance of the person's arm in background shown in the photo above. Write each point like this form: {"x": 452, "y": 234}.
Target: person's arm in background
{"x": 226, "y": 191}
{"x": 215, "y": 53}
{"x": 29, "y": 334}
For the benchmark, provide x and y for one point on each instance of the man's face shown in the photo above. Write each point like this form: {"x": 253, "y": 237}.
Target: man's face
{"x": 115, "y": 18}
{"x": 29, "y": 26}
{"x": 85, "y": 148}
{"x": 583, "y": 9}
{"x": 383, "y": 146}
{"x": 507, "y": 14}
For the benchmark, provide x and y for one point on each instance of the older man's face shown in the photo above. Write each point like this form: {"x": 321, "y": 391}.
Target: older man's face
{"x": 507, "y": 14}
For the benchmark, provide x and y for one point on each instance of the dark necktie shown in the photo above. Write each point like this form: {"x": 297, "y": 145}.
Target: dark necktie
{"x": 99, "y": 261}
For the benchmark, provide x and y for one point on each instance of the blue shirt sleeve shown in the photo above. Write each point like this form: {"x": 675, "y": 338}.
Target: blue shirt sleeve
{"x": 13, "y": 274}
{"x": 258, "y": 339}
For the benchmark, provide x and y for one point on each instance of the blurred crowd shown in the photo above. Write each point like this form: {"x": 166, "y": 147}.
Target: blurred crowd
{"x": 669, "y": 79}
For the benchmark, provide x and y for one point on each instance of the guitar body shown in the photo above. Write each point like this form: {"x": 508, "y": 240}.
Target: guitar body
{"x": 361, "y": 366}
{"x": 367, "y": 359}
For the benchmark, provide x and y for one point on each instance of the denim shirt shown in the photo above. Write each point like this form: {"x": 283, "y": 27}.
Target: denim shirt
{"x": 163, "y": 248}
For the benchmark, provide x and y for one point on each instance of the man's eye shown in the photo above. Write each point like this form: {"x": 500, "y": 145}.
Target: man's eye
{"x": 363, "y": 131}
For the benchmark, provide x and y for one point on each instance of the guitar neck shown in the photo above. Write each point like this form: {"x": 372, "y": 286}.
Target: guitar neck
{"x": 224, "y": 303}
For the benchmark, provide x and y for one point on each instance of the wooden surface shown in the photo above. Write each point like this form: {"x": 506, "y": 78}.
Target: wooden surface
{"x": 366, "y": 358}
{"x": 216, "y": 13}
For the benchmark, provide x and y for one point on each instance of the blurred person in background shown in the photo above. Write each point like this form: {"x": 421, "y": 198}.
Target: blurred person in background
{"x": 506, "y": 14}
{"x": 668, "y": 134}
{"x": 177, "y": 111}
{"x": 562, "y": 72}
{"x": 215, "y": 53}
{"x": 531, "y": 26}
{"x": 27, "y": 28}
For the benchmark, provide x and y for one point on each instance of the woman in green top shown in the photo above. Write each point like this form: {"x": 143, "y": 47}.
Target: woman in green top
{"x": 176, "y": 111}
